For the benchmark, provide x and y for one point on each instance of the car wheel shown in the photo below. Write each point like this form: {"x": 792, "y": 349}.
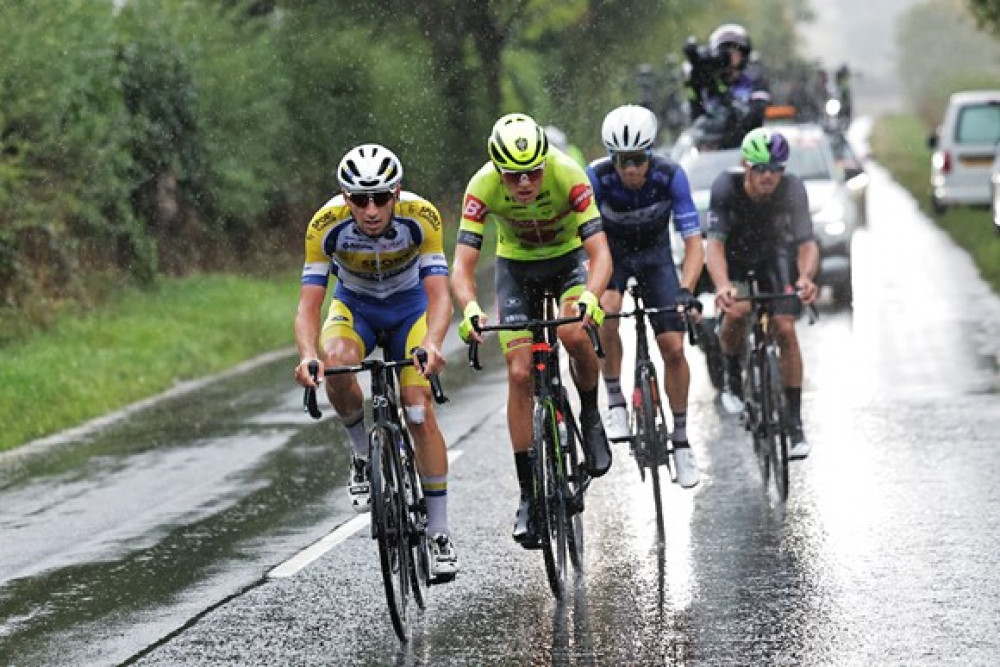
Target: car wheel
{"x": 938, "y": 207}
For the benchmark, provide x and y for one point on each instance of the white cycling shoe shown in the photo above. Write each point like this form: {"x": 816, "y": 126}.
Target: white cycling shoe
{"x": 686, "y": 467}
{"x": 616, "y": 423}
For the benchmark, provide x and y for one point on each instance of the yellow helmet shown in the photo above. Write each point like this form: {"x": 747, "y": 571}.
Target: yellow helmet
{"x": 517, "y": 143}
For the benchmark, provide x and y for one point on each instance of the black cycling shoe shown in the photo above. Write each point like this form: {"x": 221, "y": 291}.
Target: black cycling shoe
{"x": 525, "y": 533}
{"x": 596, "y": 451}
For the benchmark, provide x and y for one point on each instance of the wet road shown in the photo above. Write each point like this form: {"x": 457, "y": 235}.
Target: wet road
{"x": 155, "y": 539}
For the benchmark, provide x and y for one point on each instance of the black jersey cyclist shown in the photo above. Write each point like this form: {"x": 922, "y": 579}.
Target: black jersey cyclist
{"x": 637, "y": 193}
{"x": 758, "y": 219}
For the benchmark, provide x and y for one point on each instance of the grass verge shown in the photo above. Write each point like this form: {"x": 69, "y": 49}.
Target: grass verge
{"x": 898, "y": 143}
{"x": 140, "y": 346}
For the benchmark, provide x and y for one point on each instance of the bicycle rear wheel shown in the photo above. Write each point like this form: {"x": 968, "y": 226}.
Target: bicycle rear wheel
{"x": 777, "y": 425}
{"x": 550, "y": 505}
{"x": 389, "y": 525}
{"x": 755, "y": 410}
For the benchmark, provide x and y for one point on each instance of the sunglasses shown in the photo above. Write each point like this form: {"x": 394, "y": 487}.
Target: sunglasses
{"x": 361, "y": 199}
{"x": 635, "y": 158}
{"x": 514, "y": 177}
{"x": 768, "y": 168}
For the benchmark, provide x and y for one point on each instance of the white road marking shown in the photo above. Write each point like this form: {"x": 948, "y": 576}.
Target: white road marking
{"x": 314, "y": 551}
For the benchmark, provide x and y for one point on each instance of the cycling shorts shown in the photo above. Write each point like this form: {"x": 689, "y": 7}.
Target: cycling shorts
{"x": 653, "y": 268}
{"x": 400, "y": 321}
{"x": 522, "y": 287}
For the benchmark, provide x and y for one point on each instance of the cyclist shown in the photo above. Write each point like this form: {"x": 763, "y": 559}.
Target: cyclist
{"x": 758, "y": 219}
{"x": 548, "y": 230}
{"x": 721, "y": 88}
{"x": 636, "y": 193}
{"x": 383, "y": 244}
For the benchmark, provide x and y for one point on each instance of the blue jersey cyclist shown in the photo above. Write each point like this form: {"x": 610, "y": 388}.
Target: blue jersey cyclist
{"x": 384, "y": 246}
{"x": 637, "y": 192}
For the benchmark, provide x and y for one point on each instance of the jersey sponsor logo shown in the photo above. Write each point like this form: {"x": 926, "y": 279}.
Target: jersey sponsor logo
{"x": 474, "y": 209}
{"x": 580, "y": 196}
{"x": 432, "y": 216}
{"x": 325, "y": 220}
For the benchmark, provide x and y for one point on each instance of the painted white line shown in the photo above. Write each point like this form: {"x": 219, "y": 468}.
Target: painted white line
{"x": 314, "y": 551}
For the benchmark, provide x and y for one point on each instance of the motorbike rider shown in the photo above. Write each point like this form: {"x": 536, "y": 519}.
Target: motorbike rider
{"x": 725, "y": 98}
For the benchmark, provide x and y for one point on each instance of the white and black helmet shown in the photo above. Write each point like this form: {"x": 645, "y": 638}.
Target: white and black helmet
{"x": 629, "y": 128}
{"x": 369, "y": 168}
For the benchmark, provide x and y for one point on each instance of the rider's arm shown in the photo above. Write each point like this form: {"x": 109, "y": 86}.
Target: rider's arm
{"x": 434, "y": 275}
{"x": 688, "y": 226}
{"x": 599, "y": 255}
{"x": 807, "y": 255}
{"x": 307, "y": 327}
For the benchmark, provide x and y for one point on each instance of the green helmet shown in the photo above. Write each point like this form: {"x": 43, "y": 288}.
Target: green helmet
{"x": 517, "y": 143}
{"x": 763, "y": 146}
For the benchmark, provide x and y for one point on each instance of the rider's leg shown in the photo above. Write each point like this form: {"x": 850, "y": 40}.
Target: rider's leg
{"x": 611, "y": 341}
{"x": 791, "y": 363}
{"x": 343, "y": 339}
{"x": 677, "y": 378}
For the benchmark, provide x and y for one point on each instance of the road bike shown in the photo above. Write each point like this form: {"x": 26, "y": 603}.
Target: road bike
{"x": 649, "y": 438}
{"x": 398, "y": 509}
{"x": 560, "y": 480}
{"x": 765, "y": 410}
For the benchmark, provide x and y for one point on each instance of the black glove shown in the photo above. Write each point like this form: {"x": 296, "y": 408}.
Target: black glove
{"x": 686, "y": 299}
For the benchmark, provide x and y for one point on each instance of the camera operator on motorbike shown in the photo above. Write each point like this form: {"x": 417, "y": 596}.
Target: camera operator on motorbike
{"x": 636, "y": 192}
{"x": 726, "y": 99}
{"x": 758, "y": 219}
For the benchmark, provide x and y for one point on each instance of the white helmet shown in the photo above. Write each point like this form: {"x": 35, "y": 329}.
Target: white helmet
{"x": 556, "y": 137}
{"x": 629, "y": 128}
{"x": 369, "y": 168}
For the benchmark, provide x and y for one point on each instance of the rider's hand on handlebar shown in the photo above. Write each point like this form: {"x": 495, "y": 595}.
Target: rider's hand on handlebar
{"x": 591, "y": 307}
{"x": 725, "y": 297}
{"x": 466, "y": 330}
{"x": 691, "y": 305}
{"x": 435, "y": 360}
{"x": 807, "y": 289}
{"x": 302, "y": 375}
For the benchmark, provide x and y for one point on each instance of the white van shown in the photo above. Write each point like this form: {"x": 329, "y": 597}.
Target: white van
{"x": 964, "y": 146}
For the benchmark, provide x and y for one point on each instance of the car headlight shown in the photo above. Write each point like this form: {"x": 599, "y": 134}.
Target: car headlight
{"x": 832, "y": 212}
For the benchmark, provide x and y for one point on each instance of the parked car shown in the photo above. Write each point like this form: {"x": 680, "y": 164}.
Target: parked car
{"x": 963, "y": 148}
{"x": 835, "y": 210}
{"x": 995, "y": 191}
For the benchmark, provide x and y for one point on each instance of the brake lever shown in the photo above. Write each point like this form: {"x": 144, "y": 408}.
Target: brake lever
{"x": 309, "y": 402}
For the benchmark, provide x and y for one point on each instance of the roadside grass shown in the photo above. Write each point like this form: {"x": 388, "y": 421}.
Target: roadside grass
{"x": 899, "y": 143}
{"x": 139, "y": 346}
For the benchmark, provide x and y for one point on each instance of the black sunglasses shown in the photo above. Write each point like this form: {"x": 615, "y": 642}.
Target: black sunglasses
{"x": 361, "y": 199}
{"x": 768, "y": 168}
{"x": 636, "y": 158}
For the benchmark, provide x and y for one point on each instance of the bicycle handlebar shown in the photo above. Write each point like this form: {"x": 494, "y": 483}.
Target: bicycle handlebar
{"x": 531, "y": 325}
{"x": 679, "y": 309}
{"x": 310, "y": 404}
{"x": 766, "y": 297}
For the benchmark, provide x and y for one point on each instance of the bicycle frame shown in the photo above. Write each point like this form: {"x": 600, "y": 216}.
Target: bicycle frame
{"x": 559, "y": 479}
{"x": 399, "y": 512}
{"x": 650, "y": 439}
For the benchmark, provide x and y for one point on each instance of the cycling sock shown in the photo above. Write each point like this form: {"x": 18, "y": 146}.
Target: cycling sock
{"x": 436, "y": 497}
{"x": 522, "y": 462}
{"x": 588, "y": 399}
{"x": 614, "y": 388}
{"x": 680, "y": 427}
{"x": 794, "y": 396}
{"x": 356, "y": 433}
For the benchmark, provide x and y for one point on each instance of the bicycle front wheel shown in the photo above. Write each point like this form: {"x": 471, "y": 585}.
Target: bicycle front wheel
{"x": 649, "y": 438}
{"x": 389, "y": 525}
{"x": 574, "y": 484}
{"x": 416, "y": 527}
{"x": 550, "y": 505}
{"x": 777, "y": 425}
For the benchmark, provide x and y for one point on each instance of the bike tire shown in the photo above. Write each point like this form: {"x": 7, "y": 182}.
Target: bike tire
{"x": 416, "y": 528}
{"x": 389, "y": 526}
{"x": 777, "y": 425}
{"x": 575, "y": 484}
{"x": 648, "y": 438}
{"x": 550, "y": 507}
{"x": 756, "y": 410}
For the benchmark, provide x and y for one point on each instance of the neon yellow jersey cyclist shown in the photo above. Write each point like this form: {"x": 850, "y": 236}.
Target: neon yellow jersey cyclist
{"x": 550, "y": 241}
{"x": 555, "y": 223}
